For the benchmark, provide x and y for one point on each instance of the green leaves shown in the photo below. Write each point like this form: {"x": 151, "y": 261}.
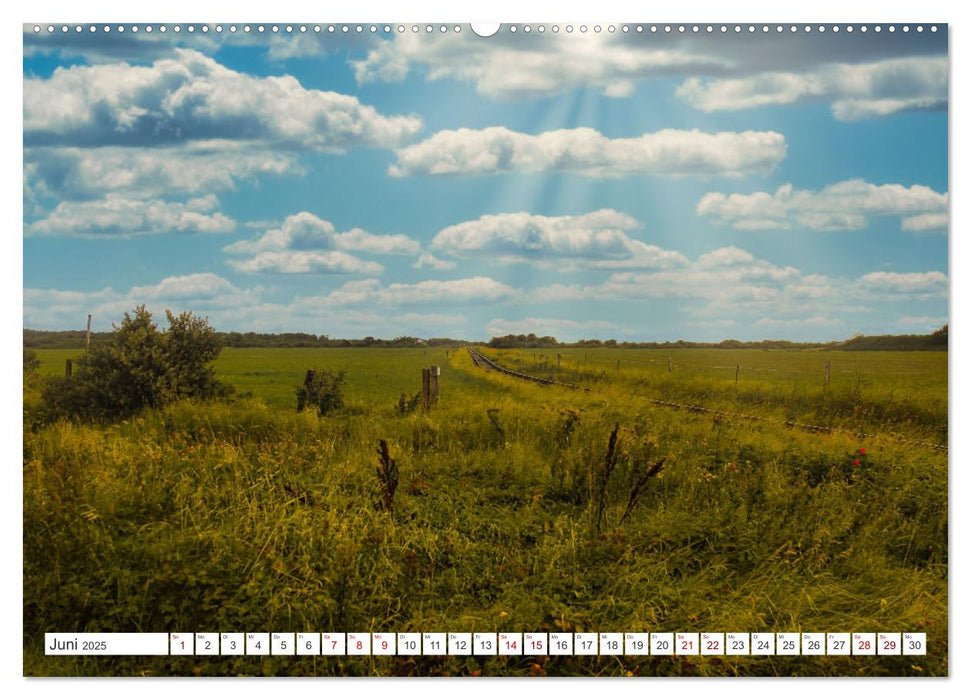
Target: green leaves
{"x": 139, "y": 367}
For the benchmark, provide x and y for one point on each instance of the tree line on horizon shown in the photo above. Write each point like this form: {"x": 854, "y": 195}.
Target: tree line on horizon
{"x": 69, "y": 340}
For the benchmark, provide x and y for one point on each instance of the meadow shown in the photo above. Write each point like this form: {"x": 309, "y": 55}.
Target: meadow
{"x": 520, "y": 507}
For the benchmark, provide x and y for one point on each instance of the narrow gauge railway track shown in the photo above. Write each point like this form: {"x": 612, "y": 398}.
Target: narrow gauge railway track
{"x": 484, "y": 362}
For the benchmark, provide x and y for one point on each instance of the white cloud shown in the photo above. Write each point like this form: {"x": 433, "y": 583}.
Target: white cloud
{"x": 229, "y": 307}
{"x": 670, "y": 153}
{"x": 305, "y": 243}
{"x": 392, "y": 244}
{"x": 305, "y": 262}
{"x": 597, "y": 237}
{"x": 115, "y": 215}
{"x": 842, "y": 206}
{"x": 90, "y": 173}
{"x": 932, "y": 282}
{"x": 921, "y": 324}
{"x": 730, "y": 283}
{"x": 190, "y": 96}
{"x": 723, "y": 274}
{"x": 472, "y": 290}
{"x": 427, "y": 260}
{"x": 508, "y": 67}
{"x": 855, "y": 91}
{"x": 202, "y": 285}
{"x": 926, "y": 222}
{"x": 201, "y": 292}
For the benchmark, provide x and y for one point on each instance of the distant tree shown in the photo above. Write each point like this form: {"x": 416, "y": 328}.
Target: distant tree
{"x": 139, "y": 367}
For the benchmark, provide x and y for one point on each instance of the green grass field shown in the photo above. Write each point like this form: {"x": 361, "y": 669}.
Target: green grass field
{"x": 512, "y": 512}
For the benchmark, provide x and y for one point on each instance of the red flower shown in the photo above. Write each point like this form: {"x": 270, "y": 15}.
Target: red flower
{"x": 856, "y": 462}
{"x": 862, "y": 450}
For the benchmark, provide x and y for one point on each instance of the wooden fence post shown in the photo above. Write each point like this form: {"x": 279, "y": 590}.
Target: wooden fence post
{"x": 736, "y": 377}
{"x": 669, "y": 364}
{"x": 426, "y": 386}
{"x": 436, "y": 371}
{"x": 68, "y": 366}
{"x": 87, "y": 338}
{"x": 826, "y": 385}
{"x": 308, "y": 378}
{"x": 558, "y": 358}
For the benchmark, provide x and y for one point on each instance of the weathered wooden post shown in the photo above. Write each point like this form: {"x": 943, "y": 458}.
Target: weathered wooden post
{"x": 826, "y": 385}
{"x": 618, "y": 365}
{"x": 87, "y": 337}
{"x": 436, "y": 371}
{"x": 308, "y": 378}
{"x": 558, "y": 358}
{"x": 736, "y": 377}
{"x": 68, "y": 366}
{"x": 426, "y": 386}
{"x": 669, "y": 364}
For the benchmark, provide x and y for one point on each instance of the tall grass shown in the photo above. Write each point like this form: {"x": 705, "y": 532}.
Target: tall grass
{"x": 246, "y": 516}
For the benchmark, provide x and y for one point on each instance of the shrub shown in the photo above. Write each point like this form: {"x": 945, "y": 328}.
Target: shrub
{"x": 139, "y": 367}
{"x": 323, "y": 389}
{"x": 31, "y": 362}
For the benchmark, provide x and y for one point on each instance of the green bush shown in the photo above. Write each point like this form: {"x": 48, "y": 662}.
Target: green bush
{"x": 31, "y": 362}
{"x": 323, "y": 389}
{"x": 139, "y": 367}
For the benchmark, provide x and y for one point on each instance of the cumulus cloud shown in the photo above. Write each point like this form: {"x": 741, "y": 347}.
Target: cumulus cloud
{"x": 725, "y": 273}
{"x": 114, "y": 46}
{"x": 472, "y": 290}
{"x": 598, "y": 238}
{"x": 89, "y": 173}
{"x": 229, "y": 307}
{"x": 932, "y": 282}
{"x": 510, "y": 67}
{"x": 587, "y": 152}
{"x": 190, "y": 96}
{"x": 861, "y": 76}
{"x": 855, "y": 91}
{"x": 183, "y": 125}
{"x": 926, "y": 222}
{"x": 201, "y": 292}
{"x": 202, "y": 285}
{"x": 305, "y": 243}
{"x": 116, "y": 215}
{"x": 427, "y": 260}
{"x": 732, "y": 285}
{"x": 842, "y": 206}
{"x": 305, "y": 262}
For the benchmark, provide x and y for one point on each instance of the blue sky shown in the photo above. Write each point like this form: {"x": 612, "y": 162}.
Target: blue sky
{"x": 636, "y": 186}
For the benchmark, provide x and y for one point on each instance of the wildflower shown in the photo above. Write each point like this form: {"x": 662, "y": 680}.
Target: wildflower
{"x": 862, "y": 450}
{"x": 856, "y": 462}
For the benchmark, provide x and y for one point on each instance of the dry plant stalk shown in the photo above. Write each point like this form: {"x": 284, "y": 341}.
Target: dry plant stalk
{"x": 638, "y": 487}
{"x": 610, "y": 462}
{"x": 387, "y": 472}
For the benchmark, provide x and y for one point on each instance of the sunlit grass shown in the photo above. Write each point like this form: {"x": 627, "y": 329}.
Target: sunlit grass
{"x": 247, "y": 516}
